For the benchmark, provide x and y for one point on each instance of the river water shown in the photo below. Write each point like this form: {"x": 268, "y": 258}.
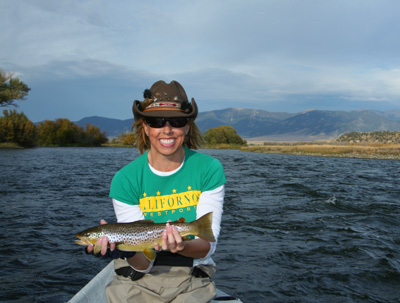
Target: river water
{"x": 295, "y": 228}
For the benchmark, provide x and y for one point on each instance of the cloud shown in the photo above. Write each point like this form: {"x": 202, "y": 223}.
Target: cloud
{"x": 281, "y": 55}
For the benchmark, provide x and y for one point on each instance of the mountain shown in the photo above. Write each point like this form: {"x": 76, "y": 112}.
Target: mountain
{"x": 247, "y": 122}
{"x": 112, "y": 127}
{"x": 264, "y": 125}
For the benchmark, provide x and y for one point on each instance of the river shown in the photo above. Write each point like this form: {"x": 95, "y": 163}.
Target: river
{"x": 295, "y": 228}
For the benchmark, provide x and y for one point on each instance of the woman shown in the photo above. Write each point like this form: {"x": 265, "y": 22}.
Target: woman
{"x": 168, "y": 182}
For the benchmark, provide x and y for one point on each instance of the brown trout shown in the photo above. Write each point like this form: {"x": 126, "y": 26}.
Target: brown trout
{"x": 141, "y": 235}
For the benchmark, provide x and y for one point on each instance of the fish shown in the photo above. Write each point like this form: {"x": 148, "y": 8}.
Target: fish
{"x": 141, "y": 235}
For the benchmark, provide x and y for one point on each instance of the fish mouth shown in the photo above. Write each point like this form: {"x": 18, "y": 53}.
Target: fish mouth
{"x": 82, "y": 241}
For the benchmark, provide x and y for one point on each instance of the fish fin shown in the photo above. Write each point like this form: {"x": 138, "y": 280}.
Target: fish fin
{"x": 150, "y": 254}
{"x": 126, "y": 247}
{"x": 180, "y": 220}
{"x": 80, "y": 242}
{"x": 204, "y": 227}
{"x": 97, "y": 249}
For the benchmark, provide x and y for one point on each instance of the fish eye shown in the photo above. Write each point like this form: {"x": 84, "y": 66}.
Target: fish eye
{"x": 87, "y": 234}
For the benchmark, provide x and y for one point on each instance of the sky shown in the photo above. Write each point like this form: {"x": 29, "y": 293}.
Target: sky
{"x": 86, "y": 58}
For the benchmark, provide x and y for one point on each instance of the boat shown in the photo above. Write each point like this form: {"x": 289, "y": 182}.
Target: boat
{"x": 90, "y": 292}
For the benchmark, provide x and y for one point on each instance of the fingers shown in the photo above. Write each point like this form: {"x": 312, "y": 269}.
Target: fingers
{"x": 112, "y": 246}
{"x": 164, "y": 239}
{"x": 103, "y": 242}
{"x": 157, "y": 247}
{"x": 177, "y": 236}
{"x": 89, "y": 248}
{"x": 171, "y": 239}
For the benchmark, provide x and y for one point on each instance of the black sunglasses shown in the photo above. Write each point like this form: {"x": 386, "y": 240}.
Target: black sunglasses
{"x": 157, "y": 122}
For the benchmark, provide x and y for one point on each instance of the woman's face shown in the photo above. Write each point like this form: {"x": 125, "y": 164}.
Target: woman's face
{"x": 166, "y": 140}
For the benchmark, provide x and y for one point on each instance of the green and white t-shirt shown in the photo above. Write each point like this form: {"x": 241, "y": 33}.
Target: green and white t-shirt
{"x": 163, "y": 198}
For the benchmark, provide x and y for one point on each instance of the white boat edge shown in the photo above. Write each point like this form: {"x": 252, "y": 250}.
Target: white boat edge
{"x": 90, "y": 292}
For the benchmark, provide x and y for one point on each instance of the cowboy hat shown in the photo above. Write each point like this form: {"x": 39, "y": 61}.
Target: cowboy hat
{"x": 165, "y": 100}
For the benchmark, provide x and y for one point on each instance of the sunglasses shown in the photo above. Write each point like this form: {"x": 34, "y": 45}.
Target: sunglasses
{"x": 157, "y": 122}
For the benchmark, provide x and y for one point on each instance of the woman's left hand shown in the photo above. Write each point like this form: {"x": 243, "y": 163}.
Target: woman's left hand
{"x": 171, "y": 240}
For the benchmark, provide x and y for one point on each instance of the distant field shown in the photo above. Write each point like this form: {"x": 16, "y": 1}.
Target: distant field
{"x": 329, "y": 149}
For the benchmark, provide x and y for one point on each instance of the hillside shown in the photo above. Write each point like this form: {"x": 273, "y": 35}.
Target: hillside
{"x": 265, "y": 125}
{"x": 112, "y": 127}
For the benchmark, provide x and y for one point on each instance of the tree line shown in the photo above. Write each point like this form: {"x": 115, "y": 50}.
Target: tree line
{"x": 225, "y": 135}
{"x": 16, "y": 128}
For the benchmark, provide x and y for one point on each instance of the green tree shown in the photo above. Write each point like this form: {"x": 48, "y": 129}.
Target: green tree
{"x": 17, "y": 128}
{"x": 11, "y": 89}
{"x": 63, "y": 132}
{"x": 93, "y": 136}
{"x": 127, "y": 138}
{"x": 46, "y": 133}
{"x": 223, "y": 135}
{"x": 67, "y": 132}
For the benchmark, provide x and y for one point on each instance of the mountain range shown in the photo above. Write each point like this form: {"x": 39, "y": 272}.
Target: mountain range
{"x": 261, "y": 125}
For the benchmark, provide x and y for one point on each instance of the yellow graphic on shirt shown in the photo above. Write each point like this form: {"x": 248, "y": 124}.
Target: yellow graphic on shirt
{"x": 173, "y": 201}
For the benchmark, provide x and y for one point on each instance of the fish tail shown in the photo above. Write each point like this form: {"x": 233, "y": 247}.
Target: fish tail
{"x": 203, "y": 226}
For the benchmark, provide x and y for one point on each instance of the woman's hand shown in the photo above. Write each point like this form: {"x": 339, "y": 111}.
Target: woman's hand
{"x": 171, "y": 240}
{"x": 103, "y": 242}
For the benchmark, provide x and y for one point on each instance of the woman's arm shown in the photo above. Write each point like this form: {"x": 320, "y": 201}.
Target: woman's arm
{"x": 127, "y": 213}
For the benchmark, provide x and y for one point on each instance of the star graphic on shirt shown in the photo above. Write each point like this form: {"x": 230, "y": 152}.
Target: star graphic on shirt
{"x": 144, "y": 194}
{"x": 189, "y": 188}
{"x": 158, "y": 193}
{"x": 174, "y": 191}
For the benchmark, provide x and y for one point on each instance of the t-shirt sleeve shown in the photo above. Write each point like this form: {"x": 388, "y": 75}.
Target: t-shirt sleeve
{"x": 214, "y": 176}
{"x": 123, "y": 189}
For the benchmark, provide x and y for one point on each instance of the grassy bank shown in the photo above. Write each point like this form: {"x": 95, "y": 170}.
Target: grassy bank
{"x": 222, "y": 146}
{"x": 323, "y": 149}
{"x": 10, "y": 145}
{"x": 330, "y": 149}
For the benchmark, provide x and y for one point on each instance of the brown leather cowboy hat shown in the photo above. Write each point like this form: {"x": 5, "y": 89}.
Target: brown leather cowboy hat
{"x": 165, "y": 100}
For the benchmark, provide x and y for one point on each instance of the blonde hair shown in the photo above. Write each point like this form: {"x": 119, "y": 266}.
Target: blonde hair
{"x": 193, "y": 139}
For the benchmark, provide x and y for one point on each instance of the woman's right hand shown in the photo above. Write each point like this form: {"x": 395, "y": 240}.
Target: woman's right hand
{"x": 103, "y": 242}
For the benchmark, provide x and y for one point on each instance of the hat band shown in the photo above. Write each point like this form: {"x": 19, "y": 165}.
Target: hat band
{"x": 164, "y": 104}
{"x": 162, "y": 108}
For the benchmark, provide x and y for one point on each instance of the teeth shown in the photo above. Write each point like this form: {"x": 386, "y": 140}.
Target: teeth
{"x": 167, "y": 141}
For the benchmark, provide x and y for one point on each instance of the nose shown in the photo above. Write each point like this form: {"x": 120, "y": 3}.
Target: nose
{"x": 167, "y": 127}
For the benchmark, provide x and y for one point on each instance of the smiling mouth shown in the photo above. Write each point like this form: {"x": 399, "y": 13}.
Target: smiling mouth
{"x": 167, "y": 141}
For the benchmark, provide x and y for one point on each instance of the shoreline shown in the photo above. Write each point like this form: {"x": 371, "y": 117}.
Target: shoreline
{"x": 315, "y": 149}
{"x": 330, "y": 149}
